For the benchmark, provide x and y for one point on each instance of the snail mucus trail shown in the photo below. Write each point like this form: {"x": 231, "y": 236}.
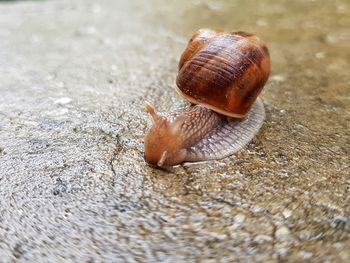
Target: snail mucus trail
{"x": 222, "y": 74}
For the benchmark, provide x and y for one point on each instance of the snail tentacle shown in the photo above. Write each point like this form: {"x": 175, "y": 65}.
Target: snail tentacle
{"x": 150, "y": 109}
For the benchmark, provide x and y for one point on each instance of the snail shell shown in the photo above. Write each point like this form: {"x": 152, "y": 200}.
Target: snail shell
{"x": 223, "y": 73}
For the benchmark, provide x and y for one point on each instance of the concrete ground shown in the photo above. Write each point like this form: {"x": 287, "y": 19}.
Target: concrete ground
{"x": 73, "y": 183}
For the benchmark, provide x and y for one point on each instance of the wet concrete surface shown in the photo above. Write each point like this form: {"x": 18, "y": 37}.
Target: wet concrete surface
{"x": 73, "y": 183}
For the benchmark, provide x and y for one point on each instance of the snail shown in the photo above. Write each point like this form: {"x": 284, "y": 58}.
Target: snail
{"x": 221, "y": 74}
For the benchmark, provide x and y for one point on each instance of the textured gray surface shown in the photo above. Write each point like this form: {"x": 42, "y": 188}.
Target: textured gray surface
{"x": 73, "y": 183}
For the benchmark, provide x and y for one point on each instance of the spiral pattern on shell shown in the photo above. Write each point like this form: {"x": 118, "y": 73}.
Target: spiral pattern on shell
{"x": 223, "y": 71}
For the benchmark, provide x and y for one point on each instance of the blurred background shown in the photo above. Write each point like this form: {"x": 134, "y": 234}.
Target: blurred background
{"x": 73, "y": 183}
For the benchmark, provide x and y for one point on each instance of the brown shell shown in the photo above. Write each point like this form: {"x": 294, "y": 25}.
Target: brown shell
{"x": 223, "y": 71}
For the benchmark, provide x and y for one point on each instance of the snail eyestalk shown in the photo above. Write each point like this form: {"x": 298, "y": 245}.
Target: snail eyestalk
{"x": 150, "y": 109}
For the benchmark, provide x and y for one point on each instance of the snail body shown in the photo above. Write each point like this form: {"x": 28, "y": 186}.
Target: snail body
{"x": 223, "y": 74}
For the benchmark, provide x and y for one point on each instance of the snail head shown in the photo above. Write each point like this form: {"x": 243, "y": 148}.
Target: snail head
{"x": 163, "y": 143}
